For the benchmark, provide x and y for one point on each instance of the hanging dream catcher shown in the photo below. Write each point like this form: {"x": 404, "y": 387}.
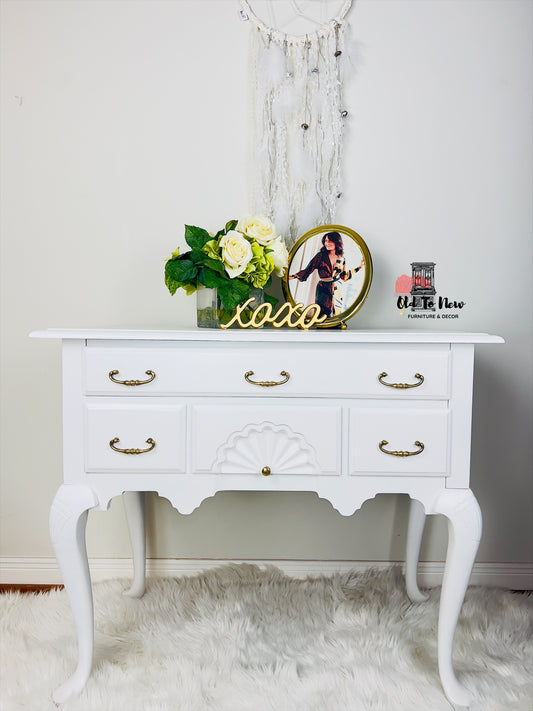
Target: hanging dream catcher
{"x": 298, "y": 120}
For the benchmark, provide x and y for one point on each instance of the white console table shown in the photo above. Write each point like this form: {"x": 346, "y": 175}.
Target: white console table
{"x": 346, "y": 414}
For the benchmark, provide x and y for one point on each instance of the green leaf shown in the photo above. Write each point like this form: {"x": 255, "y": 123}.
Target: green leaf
{"x": 215, "y": 266}
{"x": 196, "y": 237}
{"x": 202, "y": 259}
{"x": 233, "y": 293}
{"x": 272, "y": 300}
{"x": 211, "y": 279}
{"x": 231, "y": 225}
{"x": 184, "y": 270}
{"x": 198, "y": 256}
{"x": 171, "y": 283}
{"x": 178, "y": 273}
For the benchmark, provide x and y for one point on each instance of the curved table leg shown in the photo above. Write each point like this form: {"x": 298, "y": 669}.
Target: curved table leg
{"x": 464, "y": 533}
{"x": 415, "y": 529}
{"x": 134, "y": 507}
{"x": 68, "y": 519}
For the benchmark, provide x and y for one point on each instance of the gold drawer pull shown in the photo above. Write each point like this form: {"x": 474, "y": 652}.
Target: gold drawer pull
{"x": 267, "y": 383}
{"x": 132, "y": 383}
{"x": 265, "y": 471}
{"x": 401, "y": 454}
{"x": 149, "y": 441}
{"x": 401, "y": 386}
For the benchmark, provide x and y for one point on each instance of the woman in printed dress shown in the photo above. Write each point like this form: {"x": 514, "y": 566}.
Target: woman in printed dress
{"x": 331, "y": 267}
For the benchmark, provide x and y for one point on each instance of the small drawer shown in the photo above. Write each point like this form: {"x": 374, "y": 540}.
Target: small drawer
{"x": 135, "y": 437}
{"x": 398, "y": 441}
{"x": 259, "y": 439}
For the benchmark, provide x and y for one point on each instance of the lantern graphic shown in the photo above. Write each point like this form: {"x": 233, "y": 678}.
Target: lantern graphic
{"x": 423, "y": 286}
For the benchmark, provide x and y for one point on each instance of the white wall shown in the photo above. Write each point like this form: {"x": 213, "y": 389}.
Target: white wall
{"x": 123, "y": 120}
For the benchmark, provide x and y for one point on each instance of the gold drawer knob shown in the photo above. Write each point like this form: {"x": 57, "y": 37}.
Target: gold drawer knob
{"x": 116, "y": 440}
{"x": 265, "y": 471}
{"x": 131, "y": 383}
{"x": 401, "y": 386}
{"x": 396, "y": 453}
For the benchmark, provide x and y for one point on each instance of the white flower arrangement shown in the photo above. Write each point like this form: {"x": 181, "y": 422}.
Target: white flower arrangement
{"x": 237, "y": 258}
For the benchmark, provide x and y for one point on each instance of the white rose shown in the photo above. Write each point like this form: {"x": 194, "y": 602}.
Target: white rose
{"x": 279, "y": 254}
{"x": 236, "y": 253}
{"x": 258, "y": 227}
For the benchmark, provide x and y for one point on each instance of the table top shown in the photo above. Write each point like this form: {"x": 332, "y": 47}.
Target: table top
{"x": 286, "y": 335}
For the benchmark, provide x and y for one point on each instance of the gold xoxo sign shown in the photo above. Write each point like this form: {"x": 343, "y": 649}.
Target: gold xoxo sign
{"x": 310, "y": 316}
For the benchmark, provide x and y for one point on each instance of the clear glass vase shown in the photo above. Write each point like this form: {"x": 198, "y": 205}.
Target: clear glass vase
{"x": 209, "y": 311}
{"x": 207, "y": 307}
{"x": 258, "y": 296}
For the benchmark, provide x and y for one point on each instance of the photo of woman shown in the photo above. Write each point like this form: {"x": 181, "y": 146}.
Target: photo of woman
{"x": 329, "y": 266}
{"x": 329, "y": 263}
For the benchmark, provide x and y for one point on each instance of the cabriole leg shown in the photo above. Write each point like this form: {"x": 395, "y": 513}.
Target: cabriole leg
{"x": 134, "y": 507}
{"x": 415, "y": 529}
{"x": 68, "y": 519}
{"x": 464, "y": 533}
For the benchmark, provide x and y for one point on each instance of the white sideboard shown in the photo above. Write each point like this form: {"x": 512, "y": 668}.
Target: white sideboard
{"x": 346, "y": 414}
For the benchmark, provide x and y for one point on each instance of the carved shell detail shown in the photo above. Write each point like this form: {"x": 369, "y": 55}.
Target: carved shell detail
{"x": 266, "y": 444}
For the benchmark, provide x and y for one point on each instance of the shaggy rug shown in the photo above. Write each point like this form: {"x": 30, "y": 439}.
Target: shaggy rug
{"x": 243, "y": 638}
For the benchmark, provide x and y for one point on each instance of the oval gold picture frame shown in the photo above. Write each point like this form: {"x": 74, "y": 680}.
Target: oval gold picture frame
{"x": 340, "y": 289}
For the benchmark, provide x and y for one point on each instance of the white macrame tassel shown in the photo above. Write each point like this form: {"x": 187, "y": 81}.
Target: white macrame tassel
{"x": 298, "y": 118}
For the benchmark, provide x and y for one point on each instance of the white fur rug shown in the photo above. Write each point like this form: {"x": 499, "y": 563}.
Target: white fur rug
{"x": 241, "y": 638}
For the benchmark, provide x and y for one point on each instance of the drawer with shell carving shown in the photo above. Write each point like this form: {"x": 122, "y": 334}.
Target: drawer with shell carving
{"x": 265, "y": 440}
{"x": 137, "y": 436}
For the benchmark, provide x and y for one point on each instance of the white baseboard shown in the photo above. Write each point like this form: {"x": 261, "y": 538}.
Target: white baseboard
{"x": 44, "y": 571}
